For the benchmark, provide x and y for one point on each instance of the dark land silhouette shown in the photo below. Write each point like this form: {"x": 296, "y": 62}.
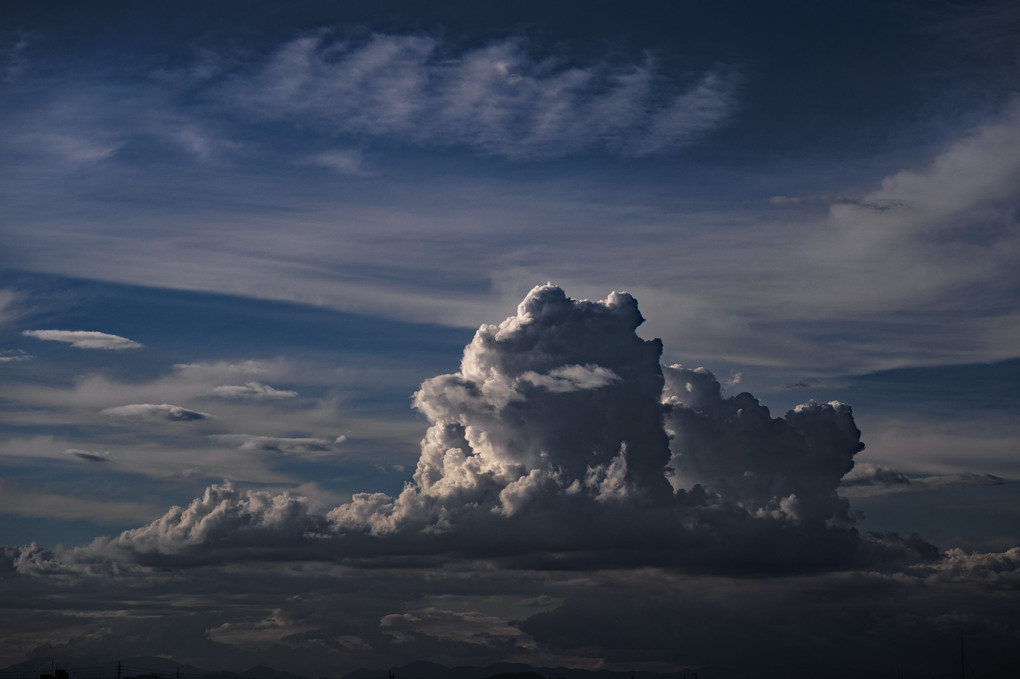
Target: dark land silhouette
{"x": 151, "y": 667}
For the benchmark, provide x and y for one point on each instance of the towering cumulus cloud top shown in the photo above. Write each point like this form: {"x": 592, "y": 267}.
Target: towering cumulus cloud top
{"x": 562, "y": 440}
{"x": 565, "y": 393}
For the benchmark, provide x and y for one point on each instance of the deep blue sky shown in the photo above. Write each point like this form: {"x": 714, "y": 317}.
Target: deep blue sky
{"x": 275, "y": 222}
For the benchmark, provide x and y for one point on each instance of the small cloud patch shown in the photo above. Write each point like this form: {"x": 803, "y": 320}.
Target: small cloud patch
{"x": 279, "y": 444}
{"x": 154, "y": 411}
{"x": 342, "y": 161}
{"x": 85, "y": 339}
{"x": 252, "y": 390}
{"x": 88, "y": 455}
{"x": 870, "y": 480}
{"x": 13, "y": 356}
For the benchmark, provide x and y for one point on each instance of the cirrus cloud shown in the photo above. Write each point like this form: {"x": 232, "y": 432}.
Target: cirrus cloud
{"x": 496, "y": 98}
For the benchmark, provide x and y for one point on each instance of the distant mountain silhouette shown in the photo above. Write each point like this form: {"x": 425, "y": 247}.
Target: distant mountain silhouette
{"x": 518, "y": 675}
{"x": 152, "y": 667}
{"x": 257, "y": 672}
{"x": 427, "y": 670}
{"x": 139, "y": 667}
{"x": 135, "y": 666}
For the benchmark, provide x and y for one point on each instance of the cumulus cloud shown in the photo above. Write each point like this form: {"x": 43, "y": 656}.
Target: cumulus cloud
{"x": 255, "y": 522}
{"x": 494, "y": 98}
{"x": 869, "y": 480}
{"x": 252, "y": 390}
{"x": 786, "y": 466}
{"x": 156, "y": 411}
{"x": 997, "y": 568}
{"x": 84, "y": 339}
{"x": 562, "y": 440}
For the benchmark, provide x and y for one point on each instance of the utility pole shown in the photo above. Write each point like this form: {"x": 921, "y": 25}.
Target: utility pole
{"x": 118, "y": 669}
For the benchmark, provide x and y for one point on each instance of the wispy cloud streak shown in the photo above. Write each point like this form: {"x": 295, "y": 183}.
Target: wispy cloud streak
{"x": 496, "y": 99}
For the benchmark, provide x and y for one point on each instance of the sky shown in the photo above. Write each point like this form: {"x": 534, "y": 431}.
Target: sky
{"x": 653, "y": 336}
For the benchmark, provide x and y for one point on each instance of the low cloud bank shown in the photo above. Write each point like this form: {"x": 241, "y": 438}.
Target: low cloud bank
{"x": 561, "y": 442}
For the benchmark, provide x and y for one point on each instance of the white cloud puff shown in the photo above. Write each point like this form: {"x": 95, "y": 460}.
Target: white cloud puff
{"x": 223, "y": 516}
{"x": 85, "y": 339}
{"x": 558, "y": 389}
{"x": 156, "y": 411}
